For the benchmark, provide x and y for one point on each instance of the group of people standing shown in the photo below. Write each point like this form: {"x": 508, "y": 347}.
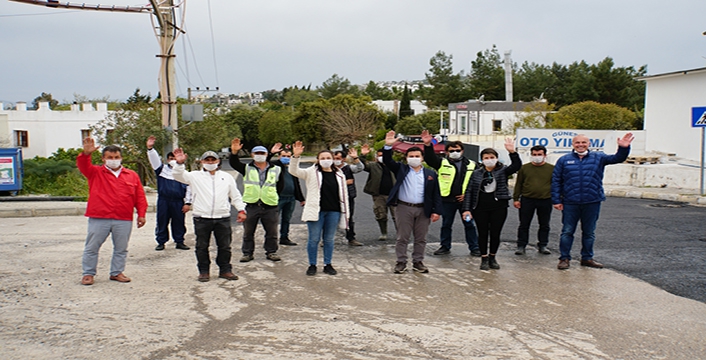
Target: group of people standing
{"x": 413, "y": 195}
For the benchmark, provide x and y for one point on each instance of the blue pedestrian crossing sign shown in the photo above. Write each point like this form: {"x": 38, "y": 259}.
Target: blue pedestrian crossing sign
{"x": 698, "y": 117}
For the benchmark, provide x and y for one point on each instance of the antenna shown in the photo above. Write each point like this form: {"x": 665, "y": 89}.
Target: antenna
{"x": 166, "y": 31}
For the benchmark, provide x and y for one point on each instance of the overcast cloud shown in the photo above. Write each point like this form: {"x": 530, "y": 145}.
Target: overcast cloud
{"x": 272, "y": 44}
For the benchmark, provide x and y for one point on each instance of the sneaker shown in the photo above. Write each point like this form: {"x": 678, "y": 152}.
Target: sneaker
{"x": 442, "y": 251}
{"x": 328, "y": 269}
{"x": 493, "y": 264}
{"x": 228, "y": 276}
{"x": 563, "y": 264}
{"x": 543, "y": 250}
{"x": 311, "y": 270}
{"x": 287, "y": 242}
{"x": 484, "y": 265}
{"x": 382, "y": 237}
{"x": 520, "y": 250}
{"x": 204, "y": 277}
{"x": 273, "y": 257}
{"x": 182, "y": 246}
{"x": 475, "y": 253}
{"x": 400, "y": 267}
{"x": 159, "y": 247}
{"x": 419, "y": 267}
{"x": 354, "y": 242}
{"x": 246, "y": 258}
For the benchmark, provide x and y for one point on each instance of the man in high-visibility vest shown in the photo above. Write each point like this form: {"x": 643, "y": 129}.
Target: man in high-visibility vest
{"x": 262, "y": 183}
{"x": 454, "y": 173}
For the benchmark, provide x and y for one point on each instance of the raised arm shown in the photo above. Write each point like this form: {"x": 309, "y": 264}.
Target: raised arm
{"x": 390, "y": 140}
{"x": 297, "y": 150}
{"x": 429, "y": 155}
{"x": 234, "y": 159}
{"x": 179, "y": 172}
{"x": 152, "y": 154}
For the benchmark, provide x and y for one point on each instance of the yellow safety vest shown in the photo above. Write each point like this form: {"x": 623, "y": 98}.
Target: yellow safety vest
{"x": 267, "y": 193}
{"x": 447, "y": 173}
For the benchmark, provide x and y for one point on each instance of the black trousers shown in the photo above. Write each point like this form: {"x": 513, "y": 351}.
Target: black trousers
{"x": 350, "y": 232}
{"x": 528, "y": 206}
{"x": 203, "y": 227}
{"x": 489, "y": 222}
{"x": 269, "y": 217}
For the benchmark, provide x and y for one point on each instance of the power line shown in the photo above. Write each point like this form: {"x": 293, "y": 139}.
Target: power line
{"x": 40, "y": 14}
{"x": 213, "y": 42}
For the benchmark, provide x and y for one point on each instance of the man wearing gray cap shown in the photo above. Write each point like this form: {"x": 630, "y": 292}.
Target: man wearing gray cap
{"x": 211, "y": 210}
{"x": 262, "y": 184}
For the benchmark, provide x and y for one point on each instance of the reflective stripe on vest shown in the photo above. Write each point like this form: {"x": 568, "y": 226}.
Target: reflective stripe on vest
{"x": 267, "y": 193}
{"x": 447, "y": 173}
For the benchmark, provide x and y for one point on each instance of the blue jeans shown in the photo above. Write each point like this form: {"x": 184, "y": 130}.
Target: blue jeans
{"x": 447, "y": 220}
{"x": 286, "y": 205}
{"x": 327, "y": 224}
{"x": 588, "y": 215}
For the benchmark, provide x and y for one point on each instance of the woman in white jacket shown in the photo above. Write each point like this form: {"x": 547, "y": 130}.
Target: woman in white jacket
{"x": 326, "y": 205}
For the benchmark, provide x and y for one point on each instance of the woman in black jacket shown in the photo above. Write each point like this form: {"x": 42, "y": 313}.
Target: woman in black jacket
{"x": 487, "y": 198}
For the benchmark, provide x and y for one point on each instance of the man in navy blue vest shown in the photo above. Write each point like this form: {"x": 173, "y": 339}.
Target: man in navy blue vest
{"x": 173, "y": 200}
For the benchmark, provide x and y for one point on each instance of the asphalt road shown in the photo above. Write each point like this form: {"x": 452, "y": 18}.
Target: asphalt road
{"x": 660, "y": 242}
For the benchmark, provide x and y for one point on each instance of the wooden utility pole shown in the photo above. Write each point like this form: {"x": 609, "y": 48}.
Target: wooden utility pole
{"x": 167, "y": 31}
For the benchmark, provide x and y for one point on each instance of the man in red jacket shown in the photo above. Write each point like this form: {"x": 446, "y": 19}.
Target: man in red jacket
{"x": 113, "y": 194}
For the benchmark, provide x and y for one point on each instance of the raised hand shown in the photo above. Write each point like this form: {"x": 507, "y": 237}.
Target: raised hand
{"x": 426, "y": 137}
{"x": 390, "y": 138}
{"x": 353, "y": 152}
{"x": 89, "y": 145}
{"x": 510, "y": 145}
{"x": 276, "y": 148}
{"x": 179, "y": 155}
{"x": 150, "y": 142}
{"x": 626, "y": 140}
{"x": 365, "y": 150}
{"x": 297, "y": 148}
{"x": 235, "y": 146}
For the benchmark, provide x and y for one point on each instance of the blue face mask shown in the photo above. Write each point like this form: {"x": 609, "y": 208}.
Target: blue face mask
{"x": 284, "y": 160}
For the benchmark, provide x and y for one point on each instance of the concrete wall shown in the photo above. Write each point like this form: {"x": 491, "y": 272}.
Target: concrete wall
{"x": 668, "y": 103}
{"x": 393, "y": 106}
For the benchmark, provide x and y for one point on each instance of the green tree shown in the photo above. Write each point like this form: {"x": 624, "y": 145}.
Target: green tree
{"x": 45, "y": 97}
{"x": 350, "y": 119}
{"x": 306, "y": 124}
{"x": 377, "y": 92}
{"x": 336, "y": 85}
{"x": 594, "y": 116}
{"x": 534, "y": 81}
{"x": 534, "y": 116}
{"x": 405, "y": 103}
{"x": 413, "y": 125}
{"x": 487, "y": 75}
{"x": 213, "y": 133}
{"x": 138, "y": 100}
{"x": 295, "y": 96}
{"x": 276, "y": 126}
{"x": 446, "y": 87}
{"x": 245, "y": 118}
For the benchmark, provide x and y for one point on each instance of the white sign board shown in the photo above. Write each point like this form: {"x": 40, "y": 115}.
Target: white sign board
{"x": 559, "y": 140}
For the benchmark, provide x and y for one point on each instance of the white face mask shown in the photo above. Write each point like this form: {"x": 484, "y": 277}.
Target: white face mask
{"x": 455, "y": 155}
{"x": 113, "y": 164}
{"x": 537, "y": 159}
{"x": 210, "y": 167}
{"x": 259, "y": 158}
{"x": 337, "y": 162}
{"x": 380, "y": 159}
{"x": 326, "y": 163}
{"x": 172, "y": 163}
{"x": 583, "y": 153}
{"x": 490, "y": 162}
{"x": 414, "y": 162}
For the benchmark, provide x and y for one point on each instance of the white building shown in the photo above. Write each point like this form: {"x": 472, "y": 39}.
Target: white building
{"x": 668, "y": 101}
{"x": 476, "y": 117}
{"x": 41, "y": 132}
{"x": 393, "y": 106}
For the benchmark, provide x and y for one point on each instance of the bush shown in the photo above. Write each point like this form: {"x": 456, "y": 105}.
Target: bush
{"x": 56, "y": 175}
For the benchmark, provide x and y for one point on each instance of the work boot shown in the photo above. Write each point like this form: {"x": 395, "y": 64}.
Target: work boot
{"x": 492, "y": 263}
{"x": 543, "y": 250}
{"x": 484, "y": 265}
{"x": 383, "y": 230}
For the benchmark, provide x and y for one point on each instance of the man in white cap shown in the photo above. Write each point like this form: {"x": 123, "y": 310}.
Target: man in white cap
{"x": 262, "y": 184}
{"x": 211, "y": 210}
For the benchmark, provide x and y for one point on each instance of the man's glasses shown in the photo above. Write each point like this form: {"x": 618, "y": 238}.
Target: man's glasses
{"x": 455, "y": 151}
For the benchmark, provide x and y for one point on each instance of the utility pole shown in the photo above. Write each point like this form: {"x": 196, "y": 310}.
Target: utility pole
{"x": 167, "y": 31}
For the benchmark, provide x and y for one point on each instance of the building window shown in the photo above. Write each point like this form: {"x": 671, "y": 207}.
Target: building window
{"x": 463, "y": 124}
{"x": 85, "y": 133}
{"x": 497, "y": 125}
{"x": 21, "y": 138}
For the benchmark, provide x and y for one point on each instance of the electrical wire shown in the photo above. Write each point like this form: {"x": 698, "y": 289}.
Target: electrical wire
{"x": 213, "y": 42}
{"x": 40, "y": 14}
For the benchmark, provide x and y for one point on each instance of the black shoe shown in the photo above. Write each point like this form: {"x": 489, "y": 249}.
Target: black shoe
{"x": 419, "y": 267}
{"x": 475, "y": 252}
{"x": 182, "y": 246}
{"x": 328, "y": 269}
{"x": 159, "y": 247}
{"x": 520, "y": 250}
{"x": 493, "y": 264}
{"x": 543, "y": 250}
{"x": 484, "y": 264}
{"x": 442, "y": 251}
{"x": 400, "y": 267}
{"x": 286, "y": 241}
{"x": 311, "y": 270}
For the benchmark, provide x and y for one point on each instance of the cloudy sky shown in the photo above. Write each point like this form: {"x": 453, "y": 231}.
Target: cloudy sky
{"x": 272, "y": 44}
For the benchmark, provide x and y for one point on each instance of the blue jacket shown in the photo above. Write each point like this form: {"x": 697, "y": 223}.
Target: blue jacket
{"x": 169, "y": 188}
{"x": 432, "y": 195}
{"x": 580, "y": 181}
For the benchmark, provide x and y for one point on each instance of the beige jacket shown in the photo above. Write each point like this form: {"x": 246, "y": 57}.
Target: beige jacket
{"x": 312, "y": 178}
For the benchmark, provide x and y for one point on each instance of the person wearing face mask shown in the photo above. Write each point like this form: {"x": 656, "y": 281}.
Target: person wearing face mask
{"x": 577, "y": 191}
{"x": 486, "y": 201}
{"x": 356, "y": 166}
{"x": 418, "y": 200}
{"x": 454, "y": 174}
{"x": 114, "y": 193}
{"x": 327, "y": 207}
{"x": 173, "y": 200}
{"x": 263, "y": 181}
{"x": 290, "y": 195}
{"x": 533, "y": 193}
{"x": 211, "y": 212}
{"x": 378, "y": 185}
